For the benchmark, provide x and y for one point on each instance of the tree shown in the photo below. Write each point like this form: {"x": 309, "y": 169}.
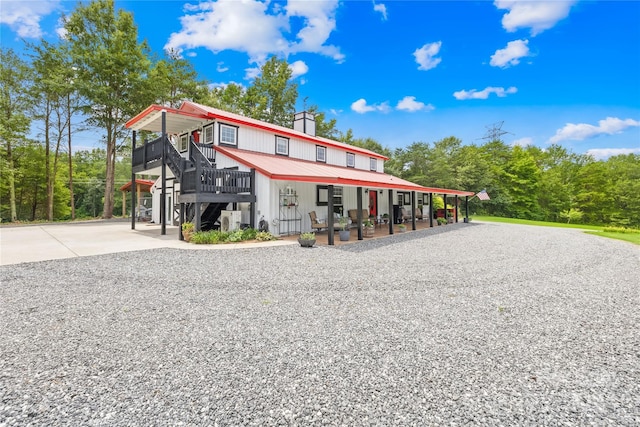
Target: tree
{"x": 228, "y": 98}
{"x": 112, "y": 68}
{"x": 174, "y": 80}
{"x": 15, "y": 79}
{"x": 272, "y": 96}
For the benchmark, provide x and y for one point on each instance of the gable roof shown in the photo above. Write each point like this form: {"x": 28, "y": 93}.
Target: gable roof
{"x": 191, "y": 115}
{"x": 295, "y": 170}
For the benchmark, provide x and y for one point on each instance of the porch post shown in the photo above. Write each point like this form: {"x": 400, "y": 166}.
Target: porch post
{"x": 391, "y": 218}
{"x": 163, "y": 194}
{"x": 466, "y": 209}
{"x": 359, "y": 206}
{"x": 413, "y": 210}
{"x": 252, "y": 205}
{"x": 330, "y": 215}
{"x": 133, "y": 182}
{"x": 456, "y": 207}
{"x": 430, "y": 209}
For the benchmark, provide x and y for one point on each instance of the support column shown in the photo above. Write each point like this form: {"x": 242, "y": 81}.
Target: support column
{"x": 359, "y": 207}
{"x": 163, "y": 194}
{"x": 430, "y": 209}
{"x": 391, "y": 218}
{"x": 466, "y": 209}
{"x": 456, "y": 208}
{"x": 252, "y": 205}
{"x": 413, "y": 210}
{"x": 180, "y": 236}
{"x": 133, "y": 182}
{"x": 330, "y": 229}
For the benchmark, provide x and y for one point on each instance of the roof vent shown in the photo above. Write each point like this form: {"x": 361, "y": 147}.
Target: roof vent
{"x": 305, "y": 122}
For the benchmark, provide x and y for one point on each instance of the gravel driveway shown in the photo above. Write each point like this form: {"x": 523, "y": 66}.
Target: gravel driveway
{"x": 485, "y": 324}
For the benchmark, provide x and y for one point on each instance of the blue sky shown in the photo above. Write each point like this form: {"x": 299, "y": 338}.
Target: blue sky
{"x": 564, "y": 72}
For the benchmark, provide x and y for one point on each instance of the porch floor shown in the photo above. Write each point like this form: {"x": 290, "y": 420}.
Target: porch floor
{"x": 381, "y": 232}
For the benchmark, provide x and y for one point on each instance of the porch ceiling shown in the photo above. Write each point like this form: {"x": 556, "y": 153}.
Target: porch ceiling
{"x": 177, "y": 120}
{"x": 286, "y": 169}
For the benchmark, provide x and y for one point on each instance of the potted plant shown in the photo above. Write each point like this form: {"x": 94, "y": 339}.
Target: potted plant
{"x": 442, "y": 221}
{"x": 368, "y": 228}
{"x": 344, "y": 232}
{"x": 307, "y": 240}
{"x": 402, "y": 228}
{"x": 188, "y": 228}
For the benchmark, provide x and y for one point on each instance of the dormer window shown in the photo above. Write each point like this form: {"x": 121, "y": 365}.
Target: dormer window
{"x": 351, "y": 160}
{"x": 228, "y": 135}
{"x": 321, "y": 154}
{"x": 207, "y": 135}
{"x": 373, "y": 164}
{"x": 282, "y": 146}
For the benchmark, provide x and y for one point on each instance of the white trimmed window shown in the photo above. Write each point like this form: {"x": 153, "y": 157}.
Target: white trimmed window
{"x": 228, "y": 135}
{"x": 373, "y": 164}
{"x": 183, "y": 143}
{"x": 207, "y": 133}
{"x": 282, "y": 146}
{"x": 321, "y": 154}
{"x": 351, "y": 160}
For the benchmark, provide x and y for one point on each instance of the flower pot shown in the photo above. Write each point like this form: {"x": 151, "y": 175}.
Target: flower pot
{"x": 306, "y": 243}
{"x": 402, "y": 229}
{"x": 368, "y": 231}
{"x": 187, "y": 235}
{"x": 344, "y": 235}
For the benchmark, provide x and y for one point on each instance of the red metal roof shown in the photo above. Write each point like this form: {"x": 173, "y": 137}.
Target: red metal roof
{"x": 287, "y": 169}
{"x": 144, "y": 183}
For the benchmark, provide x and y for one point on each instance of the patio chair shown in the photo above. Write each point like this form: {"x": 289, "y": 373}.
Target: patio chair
{"x": 353, "y": 215}
{"x": 317, "y": 225}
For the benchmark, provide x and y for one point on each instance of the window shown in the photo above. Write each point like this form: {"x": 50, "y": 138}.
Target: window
{"x": 321, "y": 154}
{"x": 208, "y": 135}
{"x": 183, "y": 143}
{"x": 373, "y": 164}
{"x": 351, "y": 160}
{"x": 228, "y": 135}
{"x": 282, "y": 146}
{"x": 322, "y": 195}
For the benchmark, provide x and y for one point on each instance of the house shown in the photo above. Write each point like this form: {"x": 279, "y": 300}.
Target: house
{"x": 220, "y": 169}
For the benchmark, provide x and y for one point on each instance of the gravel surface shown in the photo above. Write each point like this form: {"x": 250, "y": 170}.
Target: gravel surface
{"x": 483, "y": 324}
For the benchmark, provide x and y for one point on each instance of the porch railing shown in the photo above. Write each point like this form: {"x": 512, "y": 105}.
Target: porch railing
{"x": 211, "y": 180}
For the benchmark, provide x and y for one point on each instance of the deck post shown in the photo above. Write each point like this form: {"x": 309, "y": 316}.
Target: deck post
{"x": 430, "y": 209}
{"x": 359, "y": 206}
{"x": 330, "y": 215}
{"x": 180, "y": 236}
{"x": 391, "y": 217}
{"x": 163, "y": 193}
{"x": 133, "y": 183}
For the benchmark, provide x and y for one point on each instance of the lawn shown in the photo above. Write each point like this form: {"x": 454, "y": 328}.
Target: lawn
{"x": 626, "y": 234}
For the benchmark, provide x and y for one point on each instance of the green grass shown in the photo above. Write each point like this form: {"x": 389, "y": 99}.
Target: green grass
{"x": 627, "y": 234}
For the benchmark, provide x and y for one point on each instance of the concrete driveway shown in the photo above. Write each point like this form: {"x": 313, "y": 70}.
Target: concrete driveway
{"x": 43, "y": 242}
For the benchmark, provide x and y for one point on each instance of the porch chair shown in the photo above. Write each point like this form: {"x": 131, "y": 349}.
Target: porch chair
{"x": 316, "y": 225}
{"x": 353, "y": 215}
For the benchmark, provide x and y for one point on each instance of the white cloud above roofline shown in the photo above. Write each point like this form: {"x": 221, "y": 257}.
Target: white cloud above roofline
{"x": 511, "y": 54}
{"x": 605, "y": 153}
{"x": 484, "y": 93}
{"x": 23, "y": 17}
{"x": 582, "y": 131}
{"x": 426, "y": 55}
{"x": 538, "y": 16}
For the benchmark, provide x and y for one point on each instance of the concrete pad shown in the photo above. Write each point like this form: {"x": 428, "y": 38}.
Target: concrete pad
{"x": 43, "y": 242}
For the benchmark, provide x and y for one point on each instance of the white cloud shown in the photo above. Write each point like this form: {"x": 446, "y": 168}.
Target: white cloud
{"x": 221, "y": 68}
{"x": 298, "y": 68}
{"x": 511, "y": 54}
{"x": 484, "y": 94}
{"x": 536, "y": 15}
{"x": 425, "y": 56}
{"x": 251, "y": 73}
{"x": 581, "y": 131}
{"x": 409, "y": 103}
{"x": 605, "y": 153}
{"x": 380, "y": 8}
{"x": 24, "y": 17}
{"x": 523, "y": 142}
{"x": 360, "y": 106}
{"x": 258, "y": 28}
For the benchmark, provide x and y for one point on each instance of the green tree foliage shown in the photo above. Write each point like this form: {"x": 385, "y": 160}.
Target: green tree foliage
{"x": 272, "y": 96}
{"x": 15, "y": 102}
{"x": 173, "y": 79}
{"x": 112, "y": 68}
{"x": 227, "y": 98}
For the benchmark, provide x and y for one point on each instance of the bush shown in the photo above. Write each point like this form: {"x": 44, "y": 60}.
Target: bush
{"x": 214, "y": 237}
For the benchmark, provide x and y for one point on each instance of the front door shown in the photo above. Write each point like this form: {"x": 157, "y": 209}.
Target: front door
{"x": 373, "y": 203}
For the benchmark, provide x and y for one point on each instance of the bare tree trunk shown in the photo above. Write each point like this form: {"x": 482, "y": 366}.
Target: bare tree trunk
{"x": 47, "y": 161}
{"x": 12, "y": 183}
{"x": 110, "y": 176}
{"x": 70, "y": 159}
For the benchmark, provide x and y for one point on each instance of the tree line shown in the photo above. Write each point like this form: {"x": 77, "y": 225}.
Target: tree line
{"x": 99, "y": 75}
